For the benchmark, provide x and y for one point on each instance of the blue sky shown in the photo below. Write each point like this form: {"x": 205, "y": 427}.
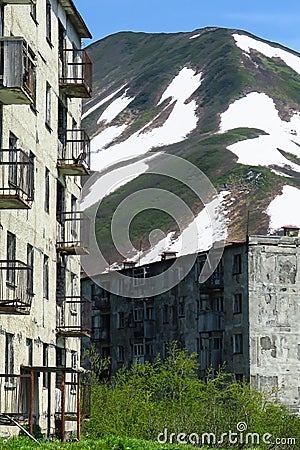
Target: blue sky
{"x": 274, "y": 20}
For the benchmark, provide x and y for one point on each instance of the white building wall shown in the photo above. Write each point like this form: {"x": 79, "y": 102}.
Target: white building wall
{"x": 36, "y": 226}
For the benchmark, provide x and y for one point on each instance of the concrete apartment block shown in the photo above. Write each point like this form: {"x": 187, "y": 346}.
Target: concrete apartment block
{"x": 245, "y": 317}
{"x": 44, "y": 75}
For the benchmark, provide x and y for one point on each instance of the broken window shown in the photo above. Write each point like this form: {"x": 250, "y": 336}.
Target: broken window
{"x": 237, "y": 343}
{"x": 11, "y": 258}
{"x": 46, "y": 277}
{"x": 237, "y": 264}
{"x": 237, "y": 303}
{"x": 9, "y": 356}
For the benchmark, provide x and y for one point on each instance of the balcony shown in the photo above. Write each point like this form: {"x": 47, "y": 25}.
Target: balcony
{"x": 16, "y": 179}
{"x": 17, "y": 72}
{"x": 74, "y": 153}
{"x": 101, "y": 303}
{"x": 72, "y": 233}
{"x": 73, "y": 316}
{"x": 210, "y": 321}
{"x": 76, "y": 73}
{"x": 215, "y": 282}
{"x": 15, "y": 287}
{"x": 15, "y": 399}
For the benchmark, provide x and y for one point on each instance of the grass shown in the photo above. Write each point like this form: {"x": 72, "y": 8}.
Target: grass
{"x": 108, "y": 443}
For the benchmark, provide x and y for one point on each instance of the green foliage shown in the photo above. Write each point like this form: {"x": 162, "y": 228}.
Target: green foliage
{"x": 144, "y": 400}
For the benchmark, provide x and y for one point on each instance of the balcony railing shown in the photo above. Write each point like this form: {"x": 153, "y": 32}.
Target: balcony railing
{"x": 15, "y": 398}
{"x": 17, "y": 71}
{"x": 210, "y": 321}
{"x": 16, "y": 179}
{"x": 74, "y": 153}
{"x": 16, "y": 283}
{"x": 76, "y": 73}
{"x": 74, "y": 316}
{"x": 72, "y": 233}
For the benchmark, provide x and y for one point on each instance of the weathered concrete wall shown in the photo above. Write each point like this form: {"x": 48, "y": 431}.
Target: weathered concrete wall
{"x": 274, "y": 311}
{"x": 36, "y": 226}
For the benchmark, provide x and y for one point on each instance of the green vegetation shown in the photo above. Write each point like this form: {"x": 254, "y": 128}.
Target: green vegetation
{"x": 141, "y": 406}
{"x": 145, "y": 400}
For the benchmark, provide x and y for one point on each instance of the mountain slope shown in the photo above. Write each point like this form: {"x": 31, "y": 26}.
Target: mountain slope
{"x": 225, "y": 100}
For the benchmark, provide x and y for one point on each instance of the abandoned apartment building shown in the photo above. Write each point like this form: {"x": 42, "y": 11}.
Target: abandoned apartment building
{"x": 246, "y": 315}
{"x": 44, "y": 74}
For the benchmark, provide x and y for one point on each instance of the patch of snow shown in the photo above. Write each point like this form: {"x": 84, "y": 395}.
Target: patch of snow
{"x": 114, "y": 109}
{"x": 104, "y": 100}
{"x": 182, "y": 86}
{"x": 110, "y": 182}
{"x": 195, "y": 36}
{"x": 102, "y": 139}
{"x": 257, "y": 110}
{"x": 181, "y": 121}
{"x": 281, "y": 174}
{"x": 246, "y": 43}
{"x": 187, "y": 242}
{"x": 284, "y": 209}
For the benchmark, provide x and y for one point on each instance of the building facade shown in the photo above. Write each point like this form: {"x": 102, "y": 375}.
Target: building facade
{"x": 244, "y": 317}
{"x": 44, "y": 74}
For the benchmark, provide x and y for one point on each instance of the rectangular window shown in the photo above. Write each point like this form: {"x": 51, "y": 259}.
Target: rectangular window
{"x": 181, "y": 308}
{"x": 138, "y": 314}
{"x": 13, "y": 168}
{"x": 48, "y": 22}
{"x": 46, "y": 277}
{"x": 237, "y": 264}
{"x": 217, "y": 343}
{"x": 48, "y": 106}
{"x": 238, "y": 343}
{"x": 149, "y": 313}
{"x": 150, "y": 349}
{"x": 29, "y": 352}
{"x": 45, "y": 364}
{"x": 138, "y": 350}
{"x": 9, "y": 356}
{"x": 60, "y": 357}
{"x": 166, "y": 314}
{"x": 120, "y": 353}
{"x": 218, "y": 304}
{"x": 237, "y": 303}
{"x": 121, "y": 319}
{"x": 11, "y": 258}
{"x": 47, "y": 190}
{"x": 30, "y": 256}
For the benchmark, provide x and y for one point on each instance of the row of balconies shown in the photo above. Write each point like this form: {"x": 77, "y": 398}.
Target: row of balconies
{"x": 18, "y": 72}
{"x": 17, "y": 169}
{"x": 73, "y": 316}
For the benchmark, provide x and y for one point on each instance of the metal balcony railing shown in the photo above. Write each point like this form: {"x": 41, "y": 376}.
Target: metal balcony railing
{"x": 72, "y": 233}
{"x": 74, "y": 152}
{"x": 15, "y": 398}
{"x": 17, "y": 71}
{"x": 16, "y": 284}
{"x": 16, "y": 179}
{"x": 74, "y": 316}
{"x": 76, "y": 73}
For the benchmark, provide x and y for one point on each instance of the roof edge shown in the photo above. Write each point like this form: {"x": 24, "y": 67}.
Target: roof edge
{"x": 76, "y": 18}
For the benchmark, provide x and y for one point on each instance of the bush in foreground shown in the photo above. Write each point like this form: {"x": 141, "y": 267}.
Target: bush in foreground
{"x": 167, "y": 397}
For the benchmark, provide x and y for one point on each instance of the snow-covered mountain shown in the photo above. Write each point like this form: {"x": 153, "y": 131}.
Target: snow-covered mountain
{"x": 226, "y": 101}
